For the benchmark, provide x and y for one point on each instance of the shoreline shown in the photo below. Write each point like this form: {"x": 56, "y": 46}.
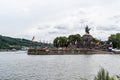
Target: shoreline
{"x": 67, "y": 51}
{"x": 6, "y": 50}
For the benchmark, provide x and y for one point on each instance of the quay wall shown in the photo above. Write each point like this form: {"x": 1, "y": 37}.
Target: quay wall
{"x": 66, "y": 51}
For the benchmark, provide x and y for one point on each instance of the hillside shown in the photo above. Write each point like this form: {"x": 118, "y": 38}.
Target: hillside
{"x": 17, "y": 43}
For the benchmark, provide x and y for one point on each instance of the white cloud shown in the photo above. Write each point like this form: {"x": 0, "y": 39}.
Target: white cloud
{"x": 47, "y": 19}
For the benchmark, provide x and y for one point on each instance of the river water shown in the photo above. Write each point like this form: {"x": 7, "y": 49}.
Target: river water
{"x": 20, "y": 66}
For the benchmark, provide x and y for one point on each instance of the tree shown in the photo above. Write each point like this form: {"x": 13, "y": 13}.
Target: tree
{"x": 16, "y": 43}
{"x": 75, "y": 37}
{"x": 115, "y": 38}
{"x": 64, "y": 41}
{"x": 60, "y": 41}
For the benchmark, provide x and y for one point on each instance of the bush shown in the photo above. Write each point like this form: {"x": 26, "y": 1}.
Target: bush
{"x": 103, "y": 75}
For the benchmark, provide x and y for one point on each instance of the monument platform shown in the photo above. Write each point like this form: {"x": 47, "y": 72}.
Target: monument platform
{"x": 87, "y": 45}
{"x": 66, "y": 51}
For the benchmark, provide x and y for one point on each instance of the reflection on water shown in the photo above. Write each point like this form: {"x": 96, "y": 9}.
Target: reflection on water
{"x": 20, "y": 66}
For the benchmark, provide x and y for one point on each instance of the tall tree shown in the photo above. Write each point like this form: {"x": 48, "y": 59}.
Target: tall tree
{"x": 73, "y": 38}
{"x": 60, "y": 41}
{"x": 115, "y": 38}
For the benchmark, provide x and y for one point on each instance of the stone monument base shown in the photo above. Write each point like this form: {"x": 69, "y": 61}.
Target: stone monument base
{"x": 66, "y": 51}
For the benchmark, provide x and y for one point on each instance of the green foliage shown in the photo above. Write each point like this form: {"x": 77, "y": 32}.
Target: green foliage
{"x": 118, "y": 76}
{"x": 115, "y": 38}
{"x": 60, "y": 41}
{"x": 96, "y": 40}
{"x": 75, "y": 37}
{"x": 103, "y": 75}
{"x": 15, "y": 43}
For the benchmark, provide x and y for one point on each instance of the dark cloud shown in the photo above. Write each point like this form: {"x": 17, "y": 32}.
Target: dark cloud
{"x": 78, "y": 27}
{"x": 58, "y": 32}
{"x": 61, "y": 27}
{"x": 109, "y": 28}
{"x": 53, "y": 32}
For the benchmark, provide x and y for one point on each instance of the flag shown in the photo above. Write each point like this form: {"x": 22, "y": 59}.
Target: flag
{"x": 76, "y": 42}
{"x": 110, "y": 43}
{"x": 33, "y": 38}
{"x": 97, "y": 43}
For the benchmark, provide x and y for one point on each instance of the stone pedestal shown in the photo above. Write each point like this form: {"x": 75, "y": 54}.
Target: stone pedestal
{"x": 87, "y": 40}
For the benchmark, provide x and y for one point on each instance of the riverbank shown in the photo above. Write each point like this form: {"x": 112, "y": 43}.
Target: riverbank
{"x": 76, "y": 51}
{"x": 7, "y": 50}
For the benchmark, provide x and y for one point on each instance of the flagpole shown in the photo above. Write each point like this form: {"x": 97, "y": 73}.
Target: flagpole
{"x": 32, "y": 41}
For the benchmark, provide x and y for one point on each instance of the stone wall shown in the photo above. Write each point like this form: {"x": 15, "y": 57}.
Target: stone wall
{"x": 65, "y": 51}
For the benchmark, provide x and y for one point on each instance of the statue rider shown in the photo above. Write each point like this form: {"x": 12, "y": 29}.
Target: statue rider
{"x": 87, "y": 29}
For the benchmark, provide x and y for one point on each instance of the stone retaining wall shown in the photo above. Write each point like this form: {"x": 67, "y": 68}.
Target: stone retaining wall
{"x": 65, "y": 51}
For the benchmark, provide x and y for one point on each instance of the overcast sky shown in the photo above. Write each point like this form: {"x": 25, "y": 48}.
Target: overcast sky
{"x": 47, "y": 19}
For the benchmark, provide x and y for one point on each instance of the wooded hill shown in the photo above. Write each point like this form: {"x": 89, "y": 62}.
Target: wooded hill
{"x": 17, "y": 43}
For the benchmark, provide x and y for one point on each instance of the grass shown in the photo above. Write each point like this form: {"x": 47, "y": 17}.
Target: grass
{"x": 104, "y": 75}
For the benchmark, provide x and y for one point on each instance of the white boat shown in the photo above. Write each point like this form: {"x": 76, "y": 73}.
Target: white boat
{"x": 116, "y": 50}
